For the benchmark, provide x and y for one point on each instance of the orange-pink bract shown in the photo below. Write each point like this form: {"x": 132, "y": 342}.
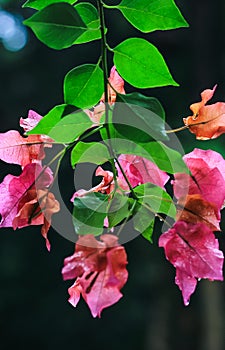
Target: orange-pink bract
{"x": 99, "y": 268}
{"x": 207, "y": 121}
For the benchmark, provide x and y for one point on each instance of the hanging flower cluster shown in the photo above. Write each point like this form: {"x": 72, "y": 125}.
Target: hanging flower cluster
{"x": 142, "y": 179}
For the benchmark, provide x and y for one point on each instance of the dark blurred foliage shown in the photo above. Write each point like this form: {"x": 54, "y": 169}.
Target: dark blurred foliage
{"x": 34, "y": 313}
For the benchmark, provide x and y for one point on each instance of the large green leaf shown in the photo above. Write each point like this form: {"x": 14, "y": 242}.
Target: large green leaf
{"x": 62, "y": 125}
{"x": 40, "y": 4}
{"x": 84, "y": 86}
{"x": 91, "y": 152}
{"x": 150, "y": 15}
{"x": 89, "y": 213}
{"x": 141, "y": 64}
{"x": 150, "y": 103}
{"x": 57, "y": 25}
{"x": 89, "y": 15}
{"x": 139, "y": 118}
{"x": 166, "y": 158}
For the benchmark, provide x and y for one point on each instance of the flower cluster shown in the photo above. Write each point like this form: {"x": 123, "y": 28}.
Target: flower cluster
{"x": 25, "y": 199}
{"x": 98, "y": 265}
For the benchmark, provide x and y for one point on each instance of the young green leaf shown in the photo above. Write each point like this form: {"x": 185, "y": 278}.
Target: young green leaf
{"x": 62, "y": 124}
{"x": 156, "y": 198}
{"x": 90, "y": 17}
{"x": 141, "y": 64}
{"x": 139, "y": 118}
{"x": 40, "y": 4}
{"x": 148, "y": 232}
{"x": 84, "y": 86}
{"x": 148, "y": 16}
{"x": 91, "y": 152}
{"x": 143, "y": 222}
{"x": 118, "y": 209}
{"x": 89, "y": 213}
{"x": 57, "y": 25}
{"x": 153, "y": 200}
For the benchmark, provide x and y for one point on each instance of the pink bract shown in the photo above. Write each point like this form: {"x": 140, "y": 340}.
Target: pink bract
{"x": 16, "y": 149}
{"x": 31, "y": 121}
{"x": 140, "y": 170}
{"x": 194, "y": 251}
{"x": 14, "y": 189}
{"x": 208, "y": 177}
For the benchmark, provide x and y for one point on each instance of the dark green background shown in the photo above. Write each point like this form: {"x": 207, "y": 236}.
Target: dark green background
{"x": 34, "y": 313}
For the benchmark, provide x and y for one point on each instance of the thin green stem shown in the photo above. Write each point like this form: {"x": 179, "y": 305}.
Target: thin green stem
{"x": 109, "y": 6}
{"x": 156, "y": 214}
{"x": 126, "y": 179}
{"x": 104, "y": 57}
{"x": 104, "y": 47}
{"x": 108, "y": 47}
{"x": 177, "y": 129}
{"x": 92, "y": 132}
{"x": 54, "y": 158}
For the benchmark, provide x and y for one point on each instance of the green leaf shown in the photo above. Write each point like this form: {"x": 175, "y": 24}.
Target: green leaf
{"x": 153, "y": 200}
{"x": 143, "y": 222}
{"x": 92, "y": 152}
{"x": 113, "y": 132}
{"x": 89, "y": 213}
{"x": 148, "y": 16}
{"x": 118, "y": 209}
{"x": 148, "y": 232}
{"x": 141, "y": 64}
{"x": 156, "y": 198}
{"x": 166, "y": 158}
{"x": 57, "y": 25}
{"x": 139, "y": 118}
{"x": 84, "y": 86}
{"x": 90, "y": 17}
{"x": 40, "y": 4}
{"x": 140, "y": 100}
{"x": 62, "y": 125}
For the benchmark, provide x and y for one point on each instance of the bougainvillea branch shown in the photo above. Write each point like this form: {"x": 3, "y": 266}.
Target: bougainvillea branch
{"x": 142, "y": 179}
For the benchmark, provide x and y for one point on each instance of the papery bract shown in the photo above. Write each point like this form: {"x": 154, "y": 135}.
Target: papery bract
{"x": 117, "y": 83}
{"x": 31, "y": 121}
{"x": 207, "y": 122}
{"x": 99, "y": 268}
{"x": 194, "y": 252}
{"x": 106, "y": 186}
{"x": 96, "y": 113}
{"x": 194, "y": 208}
{"x": 140, "y": 170}
{"x": 208, "y": 177}
{"x": 14, "y": 189}
{"x": 16, "y": 149}
{"x": 37, "y": 208}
